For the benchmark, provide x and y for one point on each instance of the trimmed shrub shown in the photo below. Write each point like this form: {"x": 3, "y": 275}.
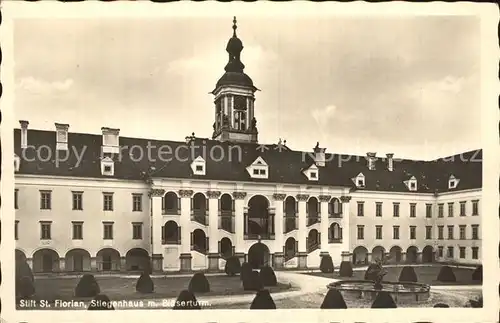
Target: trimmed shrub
{"x": 246, "y": 269}
{"x": 477, "y": 274}
{"x": 267, "y": 276}
{"x": 345, "y": 269}
{"x": 145, "y": 284}
{"x": 333, "y": 300}
{"x": 252, "y": 281}
{"x": 446, "y": 275}
{"x": 233, "y": 266}
{"x": 442, "y": 305}
{"x": 263, "y": 301}
{"x": 23, "y": 270}
{"x": 384, "y": 300}
{"x": 87, "y": 287}
{"x": 372, "y": 272}
{"x": 100, "y": 302}
{"x": 326, "y": 264}
{"x": 408, "y": 275}
{"x": 24, "y": 288}
{"x": 199, "y": 284}
{"x": 186, "y": 301}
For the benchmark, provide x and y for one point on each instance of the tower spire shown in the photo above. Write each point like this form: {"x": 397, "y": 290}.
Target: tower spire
{"x": 234, "y": 48}
{"x": 234, "y": 26}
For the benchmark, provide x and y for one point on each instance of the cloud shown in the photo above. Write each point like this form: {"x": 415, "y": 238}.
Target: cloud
{"x": 38, "y": 86}
{"x": 324, "y": 116}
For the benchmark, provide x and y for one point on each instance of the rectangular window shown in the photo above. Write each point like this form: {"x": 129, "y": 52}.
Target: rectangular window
{"x": 450, "y": 209}
{"x": 475, "y": 207}
{"x": 256, "y": 172}
{"x": 440, "y": 210}
{"x": 45, "y": 232}
{"x": 16, "y": 193}
{"x": 361, "y": 208}
{"x": 136, "y": 202}
{"x": 77, "y": 230}
{"x": 313, "y": 174}
{"x": 378, "y": 232}
{"x": 428, "y": 210}
{"x": 137, "y": 231}
{"x": 462, "y": 252}
{"x": 475, "y": 232}
{"x": 361, "y": 232}
{"x": 199, "y": 168}
{"x": 16, "y": 230}
{"x": 413, "y": 232}
{"x": 45, "y": 200}
{"x": 462, "y": 208}
{"x": 108, "y": 201}
{"x": 450, "y": 252}
{"x": 395, "y": 209}
{"x": 413, "y": 210}
{"x": 462, "y": 232}
{"x": 108, "y": 231}
{"x": 450, "y": 232}
{"x": 440, "y": 232}
{"x": 395, "y": 232}
{"x": 262, "y": 172}
{"x": 77, "y": 200}
{"x": 440, "y": 251}
{"x": 378, "y": 208}
{"x": 428, "y": 232}
{"x": 475, "y": 252}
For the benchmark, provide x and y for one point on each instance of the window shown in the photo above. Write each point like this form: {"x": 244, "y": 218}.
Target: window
{"x": 361, "y": 182}
{"x": 45, "y": 232}
{"x": 450, "y": 209}
{"x": 361, "y": 232}
{"x": 256, "y": 172}
{"x": 475, "y": 252}
{"x": 461, "y": 251}
{"x": 396, "y": 209}
{"x": 108, "y": 201}
{"x": 77, "y": 230}
{"x": 452, "y": 184}
{"x": 475, "y": 232}
{"x": 16, "y": 230}
{"x": 378, "y": 208}
{"x": 313, "y": 174}
{"x": 395, "y": 232}
{"x": 450, "y": 252}
{"x": 361, "y": 208}
{"x": 462, "y": 232}
{"x": 262, "y": 172}
{"x": 136, "y": 231}
{"x": 475, "y": 207}
{"x": 199, "y": 168}
{"x": 450, "y": 232}
{"x": 136, "y": 202}
{"x": 440, "y": 210}
{"x": 45, "y": 200}
{"x": 107, "y": 168}
{"x": 462, "y": 208}
{"x": 77, "y": 200}
{"x": 440, "y": 232}
{"x": 378, "y": 232}
{"x": 428, "y": 210}
{"x": 413, "y": 232}
{"x": 240, "y": 114}
{"x": 428, "y": 232}
{"x": 16, "y": 193}
{"x": 108, "y": 230}
{"x": 440, "y": 251}
{"x": 413, "y": 210}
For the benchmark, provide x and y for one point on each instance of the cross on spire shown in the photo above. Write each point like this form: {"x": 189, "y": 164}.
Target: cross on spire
{"x": 234, "y": 26}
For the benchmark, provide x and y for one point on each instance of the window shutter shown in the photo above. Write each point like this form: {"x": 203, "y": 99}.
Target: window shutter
{"x": 192, "y": 239}
{"x": 192, "y": 203}
{"x": 319, "y": 208}
{"x": 207, "y": 203}
{"x": 340, "y": 232}
{"x": 296, "y": 247}
{"x": 219, "y": 204}
{"x": 163, "y": 233}
{"x": 319, "y": 238}
{"x": 219, "y": 247}
{"x": 179, "y": 231}
{"x": 233, "y": 205}
{"x": 307, "y": 208}
{"x": 296, "y": 207}
{"x": 179, "y": 203}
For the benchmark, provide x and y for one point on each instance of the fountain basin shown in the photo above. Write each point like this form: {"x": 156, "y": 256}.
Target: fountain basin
{"x": 402, "y": 293}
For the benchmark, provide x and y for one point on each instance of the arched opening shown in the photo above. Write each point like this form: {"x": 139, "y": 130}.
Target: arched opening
{"x": 258, "y": 255}
{"x": 46, "y": 261}
{"x": 137, "y": 259}
{"x": 312, "y": 210}
{"x": 20, "y": 256}
{"x": 395, "y": 254}
{"x": 171, "y": 203}
{"x": 199, "y": 207}
{"x": 411, "y": 254}
{"x": 290, "y": 214}
{"x": 335, "y": 208}
{"x": 428, "y": 254}
{"x": 226, "y": 213}
{"x": 378, "y": 254}
{"x": 258, "y": 221}
{"x": 335, "y": 233}
{"x": 313, "y": 240}
{"x": 360, "y": 255}
{"x": 225, "y": 248}
{"x": 199, "y": 241}
{"x": 291, "y": 247}
{"x": 171, "y": 233}
{"x": 108, "y": 259}
{"x": 77, "y": 260}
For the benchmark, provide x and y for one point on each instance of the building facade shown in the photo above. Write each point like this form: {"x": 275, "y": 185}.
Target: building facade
{"x": 87, "y": 202}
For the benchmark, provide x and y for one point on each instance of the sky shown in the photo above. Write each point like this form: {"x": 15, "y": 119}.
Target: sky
{"x": 405, "y": 85}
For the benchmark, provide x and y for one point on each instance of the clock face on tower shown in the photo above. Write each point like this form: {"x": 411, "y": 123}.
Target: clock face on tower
{"x": 240, "y": 103}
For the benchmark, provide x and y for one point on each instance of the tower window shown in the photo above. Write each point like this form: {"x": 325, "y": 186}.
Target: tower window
{"x": 240, "y": 119}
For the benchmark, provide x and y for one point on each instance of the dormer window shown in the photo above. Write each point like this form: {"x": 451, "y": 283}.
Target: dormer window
{"x": 17, "y": 163}
{"x": 314, "y": 175}
{"x": 107, "y": 167}
{"x": 311, "y": 172}
{"x": 411, "y": 184}
{"x": 258, "y": 169}
{"x": 62, "y": 136}
{"x": 198, "y": 166}
{"x": 110, "y": 140}
{"x": 452, "y": 182}
{"x": 359, "y": 180}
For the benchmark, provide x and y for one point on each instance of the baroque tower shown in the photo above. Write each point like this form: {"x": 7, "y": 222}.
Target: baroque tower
{"x": 234, "y": 99}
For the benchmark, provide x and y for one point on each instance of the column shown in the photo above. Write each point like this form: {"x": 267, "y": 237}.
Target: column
{"x": 346, "y": 239}
{"x": 155, "y": 196}
{"x": 62, "y": 264}
{"x": 419, "y": 257}
{"x": 278, "y": 230}
{"x": 239, "y": 243}
{"x": 185, "y": 224}
{"x": 324, "y": 225}
{"x": 213, "y": 230}
{"x": 302, "y": 234}
{"x": 93, "y": 263}
{"x": 123, "y": 264}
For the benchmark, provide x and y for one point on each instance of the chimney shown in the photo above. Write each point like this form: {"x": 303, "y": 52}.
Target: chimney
{"x": 110, "y": 140}
{"x": 390, "y": 162}
{"x": 24, "y": 133}
{"x": 319, "y": 155}
{"x": 61, "y": 136}
{"x": 371, "y": 157}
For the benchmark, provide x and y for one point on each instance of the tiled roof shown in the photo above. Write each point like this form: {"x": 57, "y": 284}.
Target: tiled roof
{"x": 284, "y": 166}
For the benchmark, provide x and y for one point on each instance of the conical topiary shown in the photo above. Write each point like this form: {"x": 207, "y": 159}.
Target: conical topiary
{"x": 252, "y": 281}
{"x": 372, "y": 272}
{"x": 199, "y": 284}
{"x": 446, "y": 275}
{"x": 145, "y": 284}
{"x": 345, "y": 269}
{"x": 87, "y": 287}
{"x": 232, "y": 266}
{"x": 263, "y": 301}
{"x": 384, "y": 300}
{"x": 441, "y": 305}
{"x": 408, "y": 275}
{"x": 326, "y": 264}
{"x": 333, "y": 300}
{"x": 267, "y": 276}
{"x": 186, "y": 301}
{"x": 477, "y": 274}
{"x": 246, "y": 269}
{"x": 24, "y": 288}
{"x": 23, "y": 270}
{"x": 101, "y": 302}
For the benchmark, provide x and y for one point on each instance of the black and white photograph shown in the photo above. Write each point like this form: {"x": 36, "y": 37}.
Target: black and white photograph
{"x": 304, "y": 159}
